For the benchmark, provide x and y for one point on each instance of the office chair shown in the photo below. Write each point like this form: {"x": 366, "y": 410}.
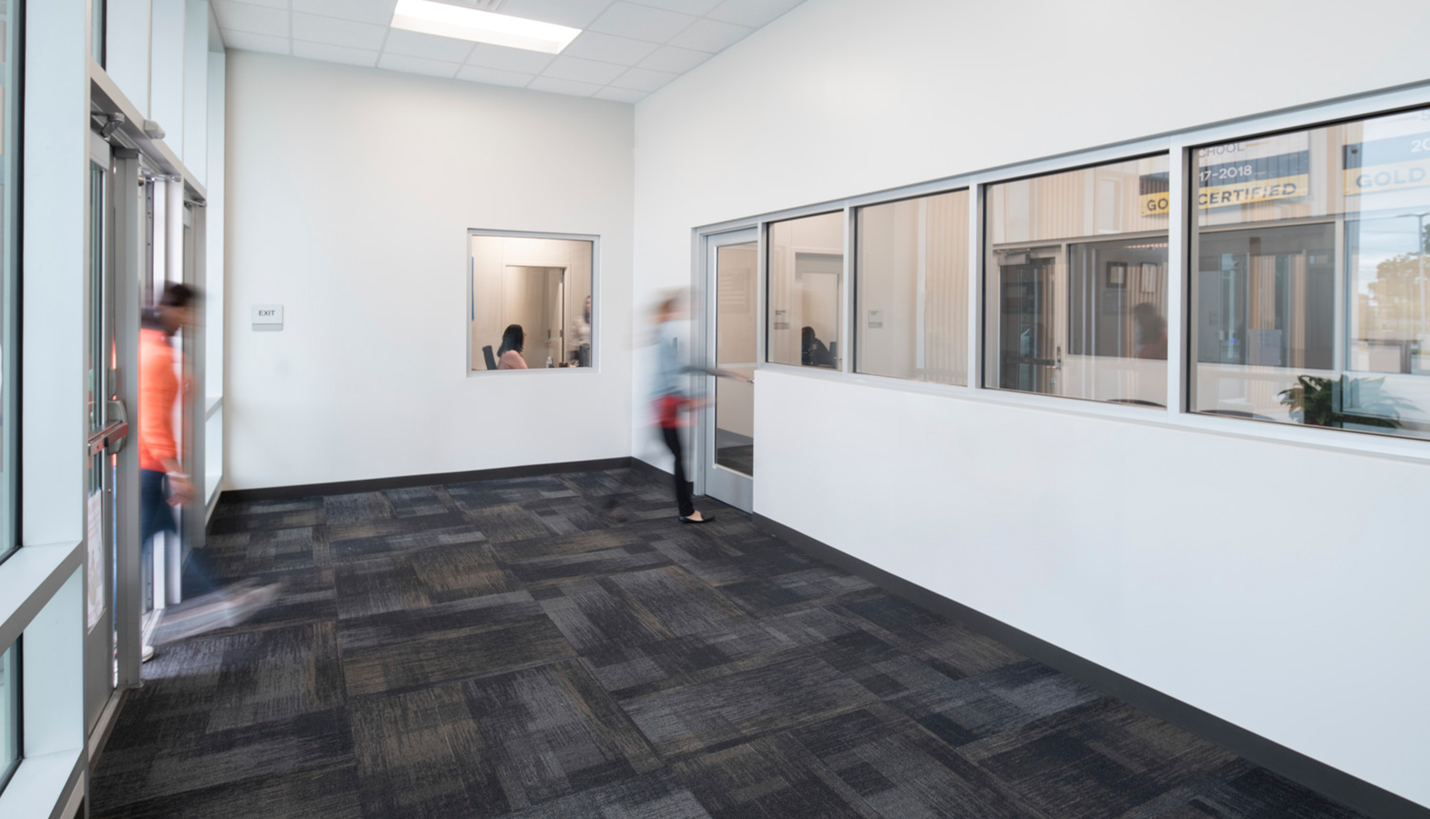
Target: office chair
{"x": 491, "y": 359}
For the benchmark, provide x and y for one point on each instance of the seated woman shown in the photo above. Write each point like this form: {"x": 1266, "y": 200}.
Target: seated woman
{"x": 509, "y": 356}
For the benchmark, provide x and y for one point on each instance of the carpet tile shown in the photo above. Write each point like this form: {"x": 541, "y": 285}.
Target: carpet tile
{"x": 560, "y": 646}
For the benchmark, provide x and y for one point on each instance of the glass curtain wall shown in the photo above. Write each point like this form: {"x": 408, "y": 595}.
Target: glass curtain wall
{"x": 806, "y": 280}
{"x": 97, "y": 12}
{"x": 10, "y": 61}
{"x": 1309, "y": 287}
{"x": 1076, "y": 283}
{"x": 9, "y": 713}
{"x": 911, "y": 289}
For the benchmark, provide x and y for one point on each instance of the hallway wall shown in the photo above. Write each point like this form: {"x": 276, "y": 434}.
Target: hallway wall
{"x": 1275, "y": 586}
{"x": 351, "y": 191}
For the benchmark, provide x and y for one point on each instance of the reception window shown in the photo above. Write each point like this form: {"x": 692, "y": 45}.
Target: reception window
{"x": 1075, "y": 294}
{"x": 1309, "y": 277}
{"x": 911, "y": 295}
{"x": 806, "y": 280}
{"x": 530, "y": 302}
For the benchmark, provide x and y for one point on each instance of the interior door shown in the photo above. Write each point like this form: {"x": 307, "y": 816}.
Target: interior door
{"x": 731, "y": 344}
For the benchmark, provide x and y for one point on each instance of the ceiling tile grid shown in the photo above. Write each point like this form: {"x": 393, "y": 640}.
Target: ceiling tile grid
{"x": 627, "y": 50}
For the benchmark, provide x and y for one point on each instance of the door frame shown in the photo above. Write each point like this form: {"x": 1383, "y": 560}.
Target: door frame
{"x": 711, "y": 479}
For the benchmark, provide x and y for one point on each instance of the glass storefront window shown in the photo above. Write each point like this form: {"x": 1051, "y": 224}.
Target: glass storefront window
{"x": 9, "y": 713}
{"x": 97, "y": 11}
{"x": 531, "y": 304}
{"x": 1076, "y": 283}
{"x": 806, "y": 278}
{"x": 911, "y": 294}
{"x": 1309, "y": 286}
{"x": 10, "y": 55}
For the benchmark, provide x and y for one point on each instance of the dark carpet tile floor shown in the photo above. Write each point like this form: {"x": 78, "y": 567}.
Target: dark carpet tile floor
{"x": 561, "y": 647}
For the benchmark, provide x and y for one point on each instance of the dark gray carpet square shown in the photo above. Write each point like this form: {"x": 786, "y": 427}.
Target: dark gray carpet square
{"x": 560, "y": 647}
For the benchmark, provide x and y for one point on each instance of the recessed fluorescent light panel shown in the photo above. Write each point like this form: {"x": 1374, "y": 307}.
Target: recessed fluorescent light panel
{"x": 443, "y": 20}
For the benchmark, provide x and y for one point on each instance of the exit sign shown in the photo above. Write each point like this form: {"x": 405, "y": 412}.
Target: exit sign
{"x": 268, "y": 317}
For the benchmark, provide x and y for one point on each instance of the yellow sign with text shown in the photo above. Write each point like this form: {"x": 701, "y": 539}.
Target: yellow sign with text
{"x": 1262, "y": 190}
{"x": 1389, "y": 177}
{"x": 1156, "y": 204}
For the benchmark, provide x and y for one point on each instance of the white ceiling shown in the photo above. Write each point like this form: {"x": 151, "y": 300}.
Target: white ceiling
{"x": 627, "y": 48}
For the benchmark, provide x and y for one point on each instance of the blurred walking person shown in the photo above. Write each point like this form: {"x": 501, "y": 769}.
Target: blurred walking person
{"x": 163, "y": 483}
{"x": 673, "y": 401}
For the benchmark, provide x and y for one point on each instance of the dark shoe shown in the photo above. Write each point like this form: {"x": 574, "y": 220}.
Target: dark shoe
{"x": 696, "y": 520}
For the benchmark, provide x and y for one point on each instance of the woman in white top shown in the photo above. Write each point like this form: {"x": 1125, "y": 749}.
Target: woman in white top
{"x": 509, "y": 356}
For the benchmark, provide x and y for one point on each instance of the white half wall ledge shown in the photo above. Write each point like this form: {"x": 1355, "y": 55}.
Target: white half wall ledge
{"x": 1163, "y": 554}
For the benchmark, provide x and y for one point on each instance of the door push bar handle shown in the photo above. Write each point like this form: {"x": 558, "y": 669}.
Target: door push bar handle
{"x": 107, "y": 438}
{"x": 111, "y": 439}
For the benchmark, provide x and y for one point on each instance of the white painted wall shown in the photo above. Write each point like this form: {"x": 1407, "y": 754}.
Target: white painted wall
{"x": 350, "y": 193}
{"x": 127, "y": 41}
{"x": 1222, "y": 571}
{"x": 166, "y": 75}
{"x": 193, "y": 147}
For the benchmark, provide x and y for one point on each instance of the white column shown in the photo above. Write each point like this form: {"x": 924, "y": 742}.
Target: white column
{"x": 56, "y": 190}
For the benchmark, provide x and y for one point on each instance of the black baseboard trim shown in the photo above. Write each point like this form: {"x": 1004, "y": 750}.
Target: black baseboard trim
{"x": 407, "y": 481}
{"x": 650, "y": 470}
{"x": 1349, "y": 790}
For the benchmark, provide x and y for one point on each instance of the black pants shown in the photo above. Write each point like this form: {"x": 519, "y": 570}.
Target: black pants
{"x": 684, "y": 490}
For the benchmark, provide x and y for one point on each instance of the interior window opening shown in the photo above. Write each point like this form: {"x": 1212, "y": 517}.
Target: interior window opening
{"x": 1070, "y": 310}
{"x": 1309, "y": 278}
{"x": 531, "y": 302}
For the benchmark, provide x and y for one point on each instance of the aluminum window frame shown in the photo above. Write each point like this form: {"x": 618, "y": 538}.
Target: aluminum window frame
{"x": 1178, "y": 145}
{"x": 1341, "y": 311}
{"x": 595, "y": 241}
{"x": 11, "y": 333}
{"x": 1063, "y": 243}
{"x": 855, "y": 275}
{"x": 766, "y": 246}
{"x": 16, "y": 709}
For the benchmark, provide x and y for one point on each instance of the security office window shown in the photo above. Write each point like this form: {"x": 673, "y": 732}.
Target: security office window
{"x": 1076, "y": 283}
{"x": 1309, "y": 294}
{"x": 911, "y": 289}
{"x": 9, "y": 713}
{"x": 530, "y": 301}
{"x": 806, "y": 272}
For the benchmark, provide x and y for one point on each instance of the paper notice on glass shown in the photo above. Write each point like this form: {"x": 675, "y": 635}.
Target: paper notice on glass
{"x": 95, "y": 573}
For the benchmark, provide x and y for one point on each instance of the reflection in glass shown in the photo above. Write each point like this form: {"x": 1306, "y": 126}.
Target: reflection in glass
{"x": 531, "y": 303}
{"x": 9, "y": 713}
{"x": 912, "y": 289}
{"x": 806, "y": 271}
{"x": 1076, "y": 296}
{"x": 1309, "y": 300}
{"x": 736, "y": 347}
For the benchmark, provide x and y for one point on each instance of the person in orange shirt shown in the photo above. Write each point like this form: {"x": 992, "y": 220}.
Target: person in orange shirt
{"x": 162, "y": 481}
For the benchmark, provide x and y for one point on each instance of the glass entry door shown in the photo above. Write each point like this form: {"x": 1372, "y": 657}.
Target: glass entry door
{"x": 107, "y": 430}
{"x": 732, "y": 325}
{"x": 111, "y": 643}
